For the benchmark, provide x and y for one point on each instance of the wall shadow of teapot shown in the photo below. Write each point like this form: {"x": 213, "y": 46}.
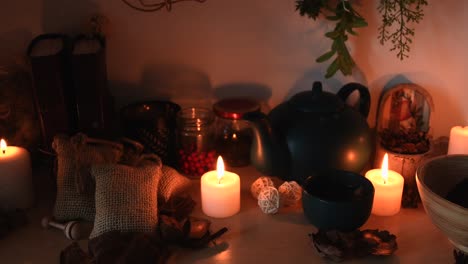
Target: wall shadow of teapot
{"x": 182, "y": 84}
{"x": 260, "y": 92}
{"x": 313, "y": 131}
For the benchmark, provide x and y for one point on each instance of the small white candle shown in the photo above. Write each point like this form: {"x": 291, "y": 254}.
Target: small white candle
{"x": 220, "y": 192}
{"x": 16, "y": 189}
{"x": 458, "y": 143}
{"x": 388, "y": 187}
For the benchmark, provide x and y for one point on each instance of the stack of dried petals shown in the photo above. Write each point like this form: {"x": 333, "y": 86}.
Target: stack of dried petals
{"x": 270, "y": 199}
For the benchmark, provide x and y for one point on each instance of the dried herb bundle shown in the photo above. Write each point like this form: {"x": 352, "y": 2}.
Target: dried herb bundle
{"x": 405, "y": 141}
{"x": 339, "y": 246}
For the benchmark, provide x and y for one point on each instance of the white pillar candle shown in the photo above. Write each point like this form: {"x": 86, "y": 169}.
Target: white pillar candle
{"x": 388, "y": 187}
{"x": 16, "y": 190}
{"x": 220, "y": 192}
{"x": 458, "y": 142}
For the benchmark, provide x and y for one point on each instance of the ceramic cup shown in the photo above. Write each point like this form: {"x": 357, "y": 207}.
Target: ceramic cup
{"x": 338, "y": 200}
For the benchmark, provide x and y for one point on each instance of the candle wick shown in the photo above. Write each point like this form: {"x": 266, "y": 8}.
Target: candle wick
{"x": 219, "y": 180}
{"x": 4, "y": 151}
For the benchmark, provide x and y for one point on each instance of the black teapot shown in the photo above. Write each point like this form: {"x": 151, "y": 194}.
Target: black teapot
{"x": 312, "y": 132}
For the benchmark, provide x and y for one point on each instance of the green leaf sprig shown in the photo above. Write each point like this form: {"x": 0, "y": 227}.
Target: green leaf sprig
{"x": 346, "y": 19}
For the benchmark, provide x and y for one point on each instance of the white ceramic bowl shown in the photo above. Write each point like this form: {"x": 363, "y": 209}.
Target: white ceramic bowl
{"x": 435, "y": 178}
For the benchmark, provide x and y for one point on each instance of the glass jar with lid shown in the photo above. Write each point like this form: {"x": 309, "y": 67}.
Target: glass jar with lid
{"x": 195, "y": 141}
{"x": 234, "y": 135}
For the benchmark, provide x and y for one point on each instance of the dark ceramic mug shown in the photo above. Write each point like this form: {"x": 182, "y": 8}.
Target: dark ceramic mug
{"x": 339, "y": 200}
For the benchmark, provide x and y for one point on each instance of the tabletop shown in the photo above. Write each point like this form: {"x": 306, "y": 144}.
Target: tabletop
{"x": 253, "y": 237}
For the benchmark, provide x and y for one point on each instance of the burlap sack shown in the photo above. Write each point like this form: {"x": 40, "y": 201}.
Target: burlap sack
{"x": 126, "y": 196}
{"x": 172, "y": 183}
{"x": 75, "y": 189}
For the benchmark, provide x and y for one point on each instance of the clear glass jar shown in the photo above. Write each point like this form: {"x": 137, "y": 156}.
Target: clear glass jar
{"x": 195, "y": 141}
{"x": 234, "y": 135}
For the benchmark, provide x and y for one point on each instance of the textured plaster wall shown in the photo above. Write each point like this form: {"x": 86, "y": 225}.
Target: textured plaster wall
{"x": 200, "y": 52}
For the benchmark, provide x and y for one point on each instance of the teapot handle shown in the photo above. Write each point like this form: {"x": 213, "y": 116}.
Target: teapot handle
{"x": 364, "y": 96}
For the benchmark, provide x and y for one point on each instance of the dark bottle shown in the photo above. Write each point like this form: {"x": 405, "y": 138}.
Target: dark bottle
{"x": 233, "y": 135}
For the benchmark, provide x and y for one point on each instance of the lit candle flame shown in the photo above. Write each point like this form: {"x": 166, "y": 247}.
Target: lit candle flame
{"x": 220, "y": 168}
{"x": 385, "y": 168}
{"x": 3, "y": 145}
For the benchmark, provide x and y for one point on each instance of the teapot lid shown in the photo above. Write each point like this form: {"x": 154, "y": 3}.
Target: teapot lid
{"x": 317, "y": 100}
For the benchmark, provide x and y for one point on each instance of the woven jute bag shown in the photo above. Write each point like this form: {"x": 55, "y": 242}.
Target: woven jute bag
{"x": 75, "y": 187}
{"x": 172, "y": 183}
{"x": 126, "y": 196}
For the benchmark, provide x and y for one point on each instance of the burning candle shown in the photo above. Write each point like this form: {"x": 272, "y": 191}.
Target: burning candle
{"x": 388, "y": 187}
{"x": 458, "y": 143}
{"x": 15, "y": 177}
{"x": 220, "y": 192}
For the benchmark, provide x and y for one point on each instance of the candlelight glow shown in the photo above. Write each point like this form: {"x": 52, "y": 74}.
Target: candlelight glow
{"x": 385, "y": 168}
{"x": 199, "y": 124}
{"x": 220, "y": 168}
{"x": 3, "y": 146}
{"x": 351, "y": 155}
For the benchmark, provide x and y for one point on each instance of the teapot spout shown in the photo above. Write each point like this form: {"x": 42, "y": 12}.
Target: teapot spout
{"x": 269, "y": 153}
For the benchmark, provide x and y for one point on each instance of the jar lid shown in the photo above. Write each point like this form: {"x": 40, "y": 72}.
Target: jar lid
{"x": 235, "y": 108}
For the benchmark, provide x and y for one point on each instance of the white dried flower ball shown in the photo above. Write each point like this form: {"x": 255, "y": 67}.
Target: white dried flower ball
{"x": 268, "y": 200}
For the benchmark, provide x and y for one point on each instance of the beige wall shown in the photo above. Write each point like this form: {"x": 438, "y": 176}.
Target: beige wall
{"x": 199, "y": 52}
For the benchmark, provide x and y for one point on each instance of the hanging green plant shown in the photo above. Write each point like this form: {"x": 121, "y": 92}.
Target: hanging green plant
{"x": 396, "y": 17}
{"x": 397, "y": 14}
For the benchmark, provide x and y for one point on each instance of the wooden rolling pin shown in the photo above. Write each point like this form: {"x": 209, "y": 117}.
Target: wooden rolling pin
{"x": 73, "y": 230}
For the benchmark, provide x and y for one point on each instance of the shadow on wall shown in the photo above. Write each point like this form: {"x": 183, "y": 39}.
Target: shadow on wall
{"x": 260, "y": 92}
{"x": 67, "y": 16}
{"x": 182, "y": 84}
{"x": 13, "y": 46}
{"x": 18, "y": 121}
{"x": 363, "y": 44}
